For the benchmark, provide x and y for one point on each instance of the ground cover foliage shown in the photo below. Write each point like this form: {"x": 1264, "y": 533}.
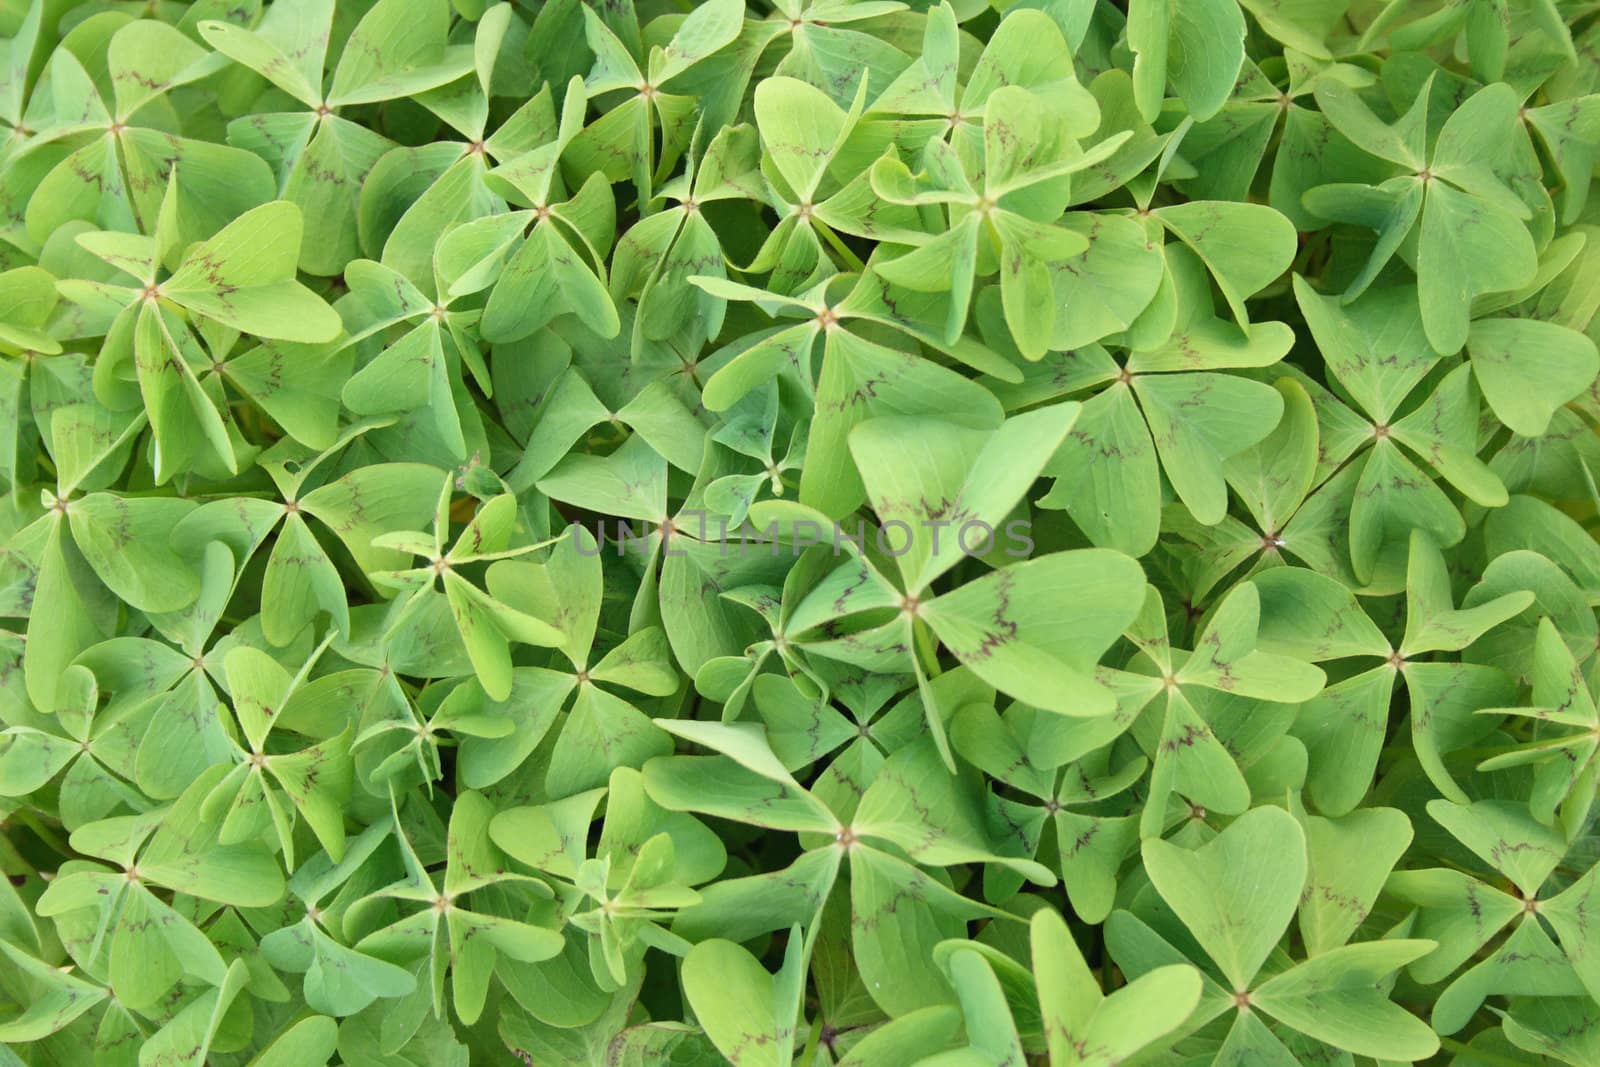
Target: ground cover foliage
{"x": 1194, "y": 403}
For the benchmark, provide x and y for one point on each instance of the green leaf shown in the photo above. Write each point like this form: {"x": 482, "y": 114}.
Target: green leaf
{"x": 1348, "y": 859}
{"x": 1008, "y": 629}
{"x": 736, "y": 1001}
{"x": 1504, "y": 836}
{"x": 861, "y": 381}
{"x": 309, "y": 1041}
{"x": 950, "y": 476}
{"x": 1468, "y": 247}
{"x": 1335, "y": 998}
{"x": 1237, "y": 893}
{"x": 125, "y": 540}
{"x": 54, "y": 999}
{"x": 1244, "y": 246}
{"x": 1197, "y": 422}
{"x": 1198, "y": 48}
{"x": 1527, "y": 369}
{"x": 244, "y": 278}
{"x": 1107, "y": 476}
{"x": 1084, "y": 1027}
{"x": 397, "y": 49}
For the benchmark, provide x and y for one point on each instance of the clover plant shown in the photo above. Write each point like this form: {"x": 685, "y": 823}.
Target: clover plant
{"x": 799, "y": 533}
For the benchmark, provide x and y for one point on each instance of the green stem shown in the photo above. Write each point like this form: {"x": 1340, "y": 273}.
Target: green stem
{"x": 809, "y": 1056}
{"x": 44, "y": 833}
{"x": 852, "y": 260}
{"x": 927, "y": 647}
{"x": 12, "y": 862}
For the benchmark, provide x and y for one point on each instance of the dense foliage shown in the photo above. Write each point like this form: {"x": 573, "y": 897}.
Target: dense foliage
{"x": 856, "y": 533}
